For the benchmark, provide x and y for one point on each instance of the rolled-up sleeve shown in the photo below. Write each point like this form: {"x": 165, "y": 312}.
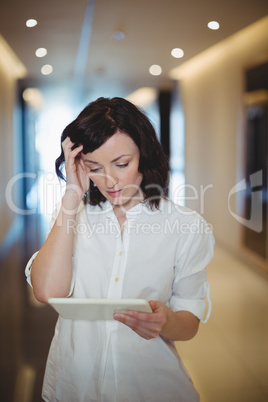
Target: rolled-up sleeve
{"x": 190, "y": 290}
{"x": 29, "y": 267}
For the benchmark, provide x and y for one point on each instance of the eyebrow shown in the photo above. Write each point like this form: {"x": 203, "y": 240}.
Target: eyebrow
{"x": 114, "y": 160}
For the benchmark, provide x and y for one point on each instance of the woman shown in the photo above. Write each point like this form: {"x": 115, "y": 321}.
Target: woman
{"x": 116, "y": 235}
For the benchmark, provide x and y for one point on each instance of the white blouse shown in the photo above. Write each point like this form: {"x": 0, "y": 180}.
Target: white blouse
{"x": 162, "y": 256}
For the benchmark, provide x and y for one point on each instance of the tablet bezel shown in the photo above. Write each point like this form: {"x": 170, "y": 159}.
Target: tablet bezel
{"x": 93, "y": 309}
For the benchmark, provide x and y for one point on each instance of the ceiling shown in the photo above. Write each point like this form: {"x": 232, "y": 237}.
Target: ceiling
{"x": 78, "y": 35}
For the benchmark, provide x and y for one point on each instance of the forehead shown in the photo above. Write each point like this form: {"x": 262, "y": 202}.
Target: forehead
{"x": 119, "y": 143}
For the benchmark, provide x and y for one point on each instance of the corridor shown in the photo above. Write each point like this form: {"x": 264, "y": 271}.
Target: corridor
{"x": 228, "y": 359}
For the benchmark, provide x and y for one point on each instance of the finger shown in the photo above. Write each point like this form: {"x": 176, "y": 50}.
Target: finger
{"x": 84, "y": 179}
{"x": 157, "y": 319}
{"x": 144, "y": 331}
{"x": 136, "y": 324}
{"x": 67, "y": 147}
{"x": 76, "y": 151}
{"x": 70, "y": 154}
{"x": 67, "y": 143}
{"x": 67, "y": 139}
{"x": 146, "y": 317}
{"x": 145, "y": 334}
{"x": 155, "y": 305}
{"x": 83, "y": 166}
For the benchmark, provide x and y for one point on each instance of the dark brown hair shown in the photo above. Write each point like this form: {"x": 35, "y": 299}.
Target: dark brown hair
{"x": 101, "y": 119}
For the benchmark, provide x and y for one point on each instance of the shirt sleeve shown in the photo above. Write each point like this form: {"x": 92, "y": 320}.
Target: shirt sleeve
{"x": 29, "y": 267}
{"x": 31, "y": 260}
{"x": 190, "y": 289}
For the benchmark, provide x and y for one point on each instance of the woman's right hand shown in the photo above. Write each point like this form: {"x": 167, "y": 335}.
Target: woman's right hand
{"x": 77, "y": 180}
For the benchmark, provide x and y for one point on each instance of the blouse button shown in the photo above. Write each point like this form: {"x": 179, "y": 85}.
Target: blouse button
{"x": 116, "y": 279}
{"x": 121, "y": 253}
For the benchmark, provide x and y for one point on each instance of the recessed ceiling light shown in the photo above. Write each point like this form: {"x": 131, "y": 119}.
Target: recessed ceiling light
{"x": 46, "y": 69}
{"x": 119, "y": 34}
{"x": 155, "y": 69}
{"x": 31, "y": 23}
{"x": 41, "y": 52}
{"x": 177, "y": 53}
{"x": 34, "y": 97}
{"x": 142, "y": 97}
{"x": 213, "y": 25}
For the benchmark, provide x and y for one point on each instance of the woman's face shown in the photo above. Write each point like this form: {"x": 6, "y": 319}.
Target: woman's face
{"x": 113, "y": 167}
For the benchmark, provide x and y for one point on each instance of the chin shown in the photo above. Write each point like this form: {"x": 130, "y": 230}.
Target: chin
{"x": 119, "y": 202}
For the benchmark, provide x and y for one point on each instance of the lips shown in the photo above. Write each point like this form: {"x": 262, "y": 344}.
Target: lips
{"x": 115, "y": 193}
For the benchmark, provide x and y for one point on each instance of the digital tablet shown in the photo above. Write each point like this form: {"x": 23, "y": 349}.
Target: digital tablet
{"x": 96, "y": 309}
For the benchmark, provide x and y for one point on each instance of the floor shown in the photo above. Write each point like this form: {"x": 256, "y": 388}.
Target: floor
{"x": 228, "y": 359}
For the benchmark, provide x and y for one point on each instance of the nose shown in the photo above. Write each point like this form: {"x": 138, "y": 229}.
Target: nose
{"x": 110, "y": 181}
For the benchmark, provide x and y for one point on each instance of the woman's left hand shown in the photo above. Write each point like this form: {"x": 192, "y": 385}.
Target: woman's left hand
{"x": 147, "y": 325}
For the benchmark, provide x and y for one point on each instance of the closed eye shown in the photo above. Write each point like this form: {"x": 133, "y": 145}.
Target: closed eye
{"x": 95, "y": 170}
{"x": 122, "y": 165}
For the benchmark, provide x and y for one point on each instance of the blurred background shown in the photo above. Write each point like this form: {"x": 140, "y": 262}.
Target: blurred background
{"x": 199, "y": 70}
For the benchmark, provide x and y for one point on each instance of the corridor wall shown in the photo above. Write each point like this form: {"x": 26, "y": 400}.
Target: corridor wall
{"x": 212, "y": 87}
{"x": 11, "y": 70}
